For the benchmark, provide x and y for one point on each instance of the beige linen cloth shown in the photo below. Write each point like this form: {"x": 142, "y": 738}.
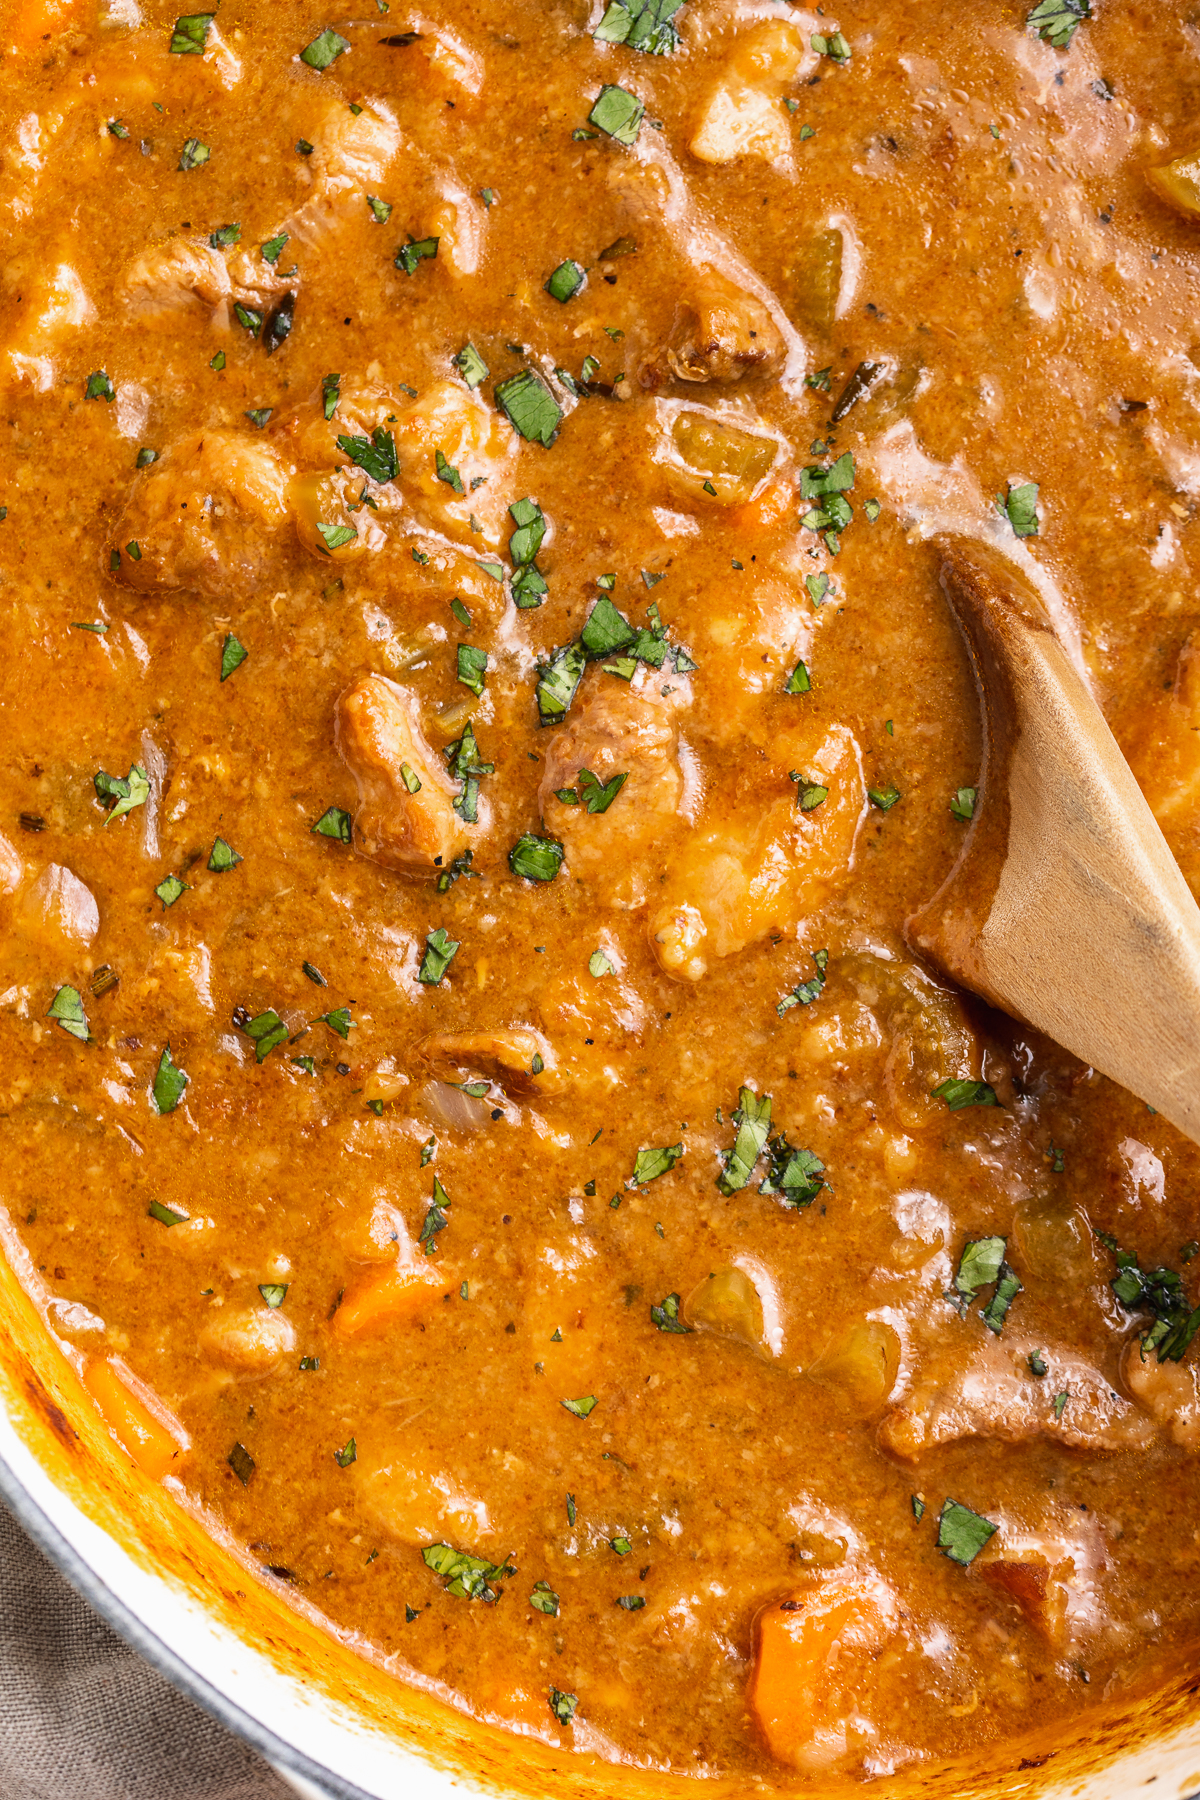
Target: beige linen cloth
{"x": 83, "y": 1717}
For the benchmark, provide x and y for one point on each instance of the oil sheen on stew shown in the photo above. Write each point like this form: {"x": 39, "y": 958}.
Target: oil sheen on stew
{"x": 478, "y": 709}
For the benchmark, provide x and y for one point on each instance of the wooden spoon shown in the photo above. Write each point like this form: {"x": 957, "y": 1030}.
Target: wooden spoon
{"x": 1065, "y": 907}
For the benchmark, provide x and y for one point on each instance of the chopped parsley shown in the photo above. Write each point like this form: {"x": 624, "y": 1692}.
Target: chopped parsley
{"x": 193, "y": 155}
{"x": 918, "y": 1506}
{"x": 279, "y": 324}
{"x": 347, "y": 1455}
{"x": 544, "y": 1600}
{"x": 650, "y": 1163}
{"x": 222, "y": 857}
{"x": 982, "y": 1263}
{"x": 375, "y": 456}
{"x": 191, "y": 34}
{"x": 471, "y": 366}
{"x": 339, "y": 1021}
{"x": 233, "y": 655}
{"x": 467, "y": 766}
{"x": 472, "y": 667}
{"x": 753, "y": 1121}
{"x": 1037, "y": 1364}
{"x": 325, "y": 48}
{"x": 170, "y": 889}
{"x": 66, "y": 1009}
{"x": 883, "y": 798}
{"x": 807, "y": 991}
{"x": 266, "y": 1032}
{"x": 563, "y": 1705}
{"x": 331, "y": 386}
{"x": 566, "y": 281}
{"x": 169, "y": 1083}
{"x": 314, "y": 974}
{"x": 447, "y": 472}
{"x": 99, "y": 387}
{"x": 145, "y": 457}
{"x": 411, "y": 255}
{"x": 440, "y": 951}
{"x": 809, "y": 794}
{"x": 829, "y": 486}
{"x": 598, "y": 965}
{"x": 466, "y": 1577}
{"x": 225, "y": 234}
{"x": 666, "y": 1315}
{"x": 121, "y": 793}
{"x": 644, "y": 25}
{"x": 581, "y": 1407}
{"x": 599, "y": 795}
{"x": 259, "y": 415}
{"x": 166, "y": 1215}
{"x": 273, "y": 1292}
{"x": 963, "y": 804}
{"x": 381, "y": 210}
{"x": 435, "y": 1218}
{"x": 529, "y": 407}
{"x": 619, "y": 114}
{"x": 335, "y": 823}
{"x": 536, "y": 858}
{"x": 796, "y": 1176}
{"x": 1057, "y": 21}
{"x": 1159, "y": 1292}
{"x": 336, "y": 536}
{"x": 799, "y": 681}
{"x": 834, "y": 47}
{"x": 960, "y": 1093}
{"x": 270, "y": 251}
{"x": 962, "y": 1533}
{"x": 1019, "y": 507}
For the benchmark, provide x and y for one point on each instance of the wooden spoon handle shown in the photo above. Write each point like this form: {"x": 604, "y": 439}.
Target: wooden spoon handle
{"x": 1065, "y": 907}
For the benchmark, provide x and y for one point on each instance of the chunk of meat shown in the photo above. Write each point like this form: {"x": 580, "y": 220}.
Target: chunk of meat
{"x": 249, "y": 1339}
{"x": 721, "y": 333}
{"x": 52, "y": 306}
{"x": 207, "y": 516}
{"x": 456, "y": 221}
{"x": 1170, "y": 1392}
{"x": 473, "y": 441}
{"x": 353, "y": 154}
{"x": 413, "y": 1500}
{"x": 747, "y": 636}
{"x": 744, "y": 879}
{"x": 170, "y": 282}
{"x": 812, "y": 1660}
{"x": 379, "y": 735}
{"x": 743, "y": 114}
{"x": 620, "y": 729}
{"x": 989, "y": 1391}
{"x": 506, "y": 1057}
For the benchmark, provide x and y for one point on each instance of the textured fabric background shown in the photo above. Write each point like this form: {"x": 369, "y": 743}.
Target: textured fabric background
{"x": 82, "y": 1717}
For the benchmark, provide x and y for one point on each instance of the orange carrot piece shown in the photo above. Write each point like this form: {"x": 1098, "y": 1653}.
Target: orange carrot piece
{"x": 147, "y": 1437}
{"x": 801, "y": 1641}
{"x": 388, "y": 1299}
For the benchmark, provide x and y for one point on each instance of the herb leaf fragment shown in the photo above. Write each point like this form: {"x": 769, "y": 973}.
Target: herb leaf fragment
{"x": 962, "y": 1533}
{"x": 66, "y": 1009}
{"x": 1056, "y": 21}
{"x": 466, "y": 1577}
{"x": 169, "y": 1083}
{"x": 640, "y": 25}
{"x": 325, "y": 49}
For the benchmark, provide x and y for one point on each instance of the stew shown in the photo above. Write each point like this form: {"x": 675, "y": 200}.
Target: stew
{"x": 478, "y": 710}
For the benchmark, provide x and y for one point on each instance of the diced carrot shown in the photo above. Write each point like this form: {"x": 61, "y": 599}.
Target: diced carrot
{"x": 388, "y": 1299}
{"x": 802, "y": 1642}
{"x": 153, "y": 1438}
{"x": 772, "y": 505}
{"x": 28, "y": 23}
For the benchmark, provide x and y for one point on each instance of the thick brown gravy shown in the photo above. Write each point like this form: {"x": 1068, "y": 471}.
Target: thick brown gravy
{"x": 525, "y": 445}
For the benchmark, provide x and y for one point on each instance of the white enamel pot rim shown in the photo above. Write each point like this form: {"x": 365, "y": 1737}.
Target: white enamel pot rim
{"x": 320, "y": 1747}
